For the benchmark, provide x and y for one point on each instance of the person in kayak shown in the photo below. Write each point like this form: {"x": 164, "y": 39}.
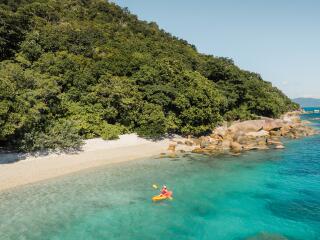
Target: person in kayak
{"x": 164, "y": 190}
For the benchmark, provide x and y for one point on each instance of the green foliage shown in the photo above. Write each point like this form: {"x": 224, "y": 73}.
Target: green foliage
{"x": 152, "y": 121}
{"x": 110, "y": 132}
{"x": 13, "y": 27}
{"x": 74, "y": 69}
{"x": 242, "y": 113}
{"x": 60, "y": 135}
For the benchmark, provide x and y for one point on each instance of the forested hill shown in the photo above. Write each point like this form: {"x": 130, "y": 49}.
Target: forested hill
{"x": 74, "y": 69}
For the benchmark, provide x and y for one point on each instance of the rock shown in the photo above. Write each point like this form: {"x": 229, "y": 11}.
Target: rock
{"x": 172, "y": 155}
{"x": 298, "y": 131}
{"x": 252, "y": 140}
{"x": 220, "y": 131}
{"x": 216, "y": 140}
{"x": 199, "y": 150}
{"x": 274, "y": 142}
{"x": 204, "y": 144}
{"x": 237, "y": 135}
{"x": 262, "y": 143}
{"x": 250, "y": 135}
{"x": 274, "y": 138}
{"x": 273, "y": 124}
{"x": 247, "y": 126}
{"x": 196, "y": 141}
{"x": 236, "y": 147}
{"x": 204, "y": 141}
{"x": 261, "y": 133}
{"x": 266, "y": 124}
{"x": 275, "y": 133}
{"x": 212, "y": 149}
{"x": 172, "y": 147}
{"x": 188, "y": 143}
{"x": 229, "y": 135}
{"x": 255, "y": 140}
{"x": 235, "y": 153}
{"x": 292, "y": 117}
{"x": 226, "y": 144}
{"x": 254, "y": 147}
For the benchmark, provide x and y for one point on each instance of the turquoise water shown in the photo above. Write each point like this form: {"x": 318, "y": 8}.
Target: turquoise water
{"x": 258, "y": 195}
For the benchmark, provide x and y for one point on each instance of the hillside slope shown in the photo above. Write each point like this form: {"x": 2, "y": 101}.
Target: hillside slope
{"x": 74, "y": 69}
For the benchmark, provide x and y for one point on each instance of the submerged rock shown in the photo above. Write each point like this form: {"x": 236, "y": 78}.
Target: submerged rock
{"x": 255, "y": 147}
{"x": 198, "y": 150}
{"x": 267, "y": 236}
{"x": 172, "y": 155}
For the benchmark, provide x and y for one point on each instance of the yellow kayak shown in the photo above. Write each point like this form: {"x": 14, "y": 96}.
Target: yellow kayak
{"x": 159, "y": 197}
{"x": 162, "y": 197}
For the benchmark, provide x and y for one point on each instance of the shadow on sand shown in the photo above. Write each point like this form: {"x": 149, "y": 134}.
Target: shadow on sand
{"x": 7, "y": 157}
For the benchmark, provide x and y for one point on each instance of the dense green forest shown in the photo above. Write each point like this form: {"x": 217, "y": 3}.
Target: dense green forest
{"x": 77, "y": 69}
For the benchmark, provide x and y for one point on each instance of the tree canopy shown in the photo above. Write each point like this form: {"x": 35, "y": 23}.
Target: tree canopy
{"x": 76, "y": 69}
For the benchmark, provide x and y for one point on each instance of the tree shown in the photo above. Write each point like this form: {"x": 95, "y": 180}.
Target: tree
{"x": 78, "y": 69}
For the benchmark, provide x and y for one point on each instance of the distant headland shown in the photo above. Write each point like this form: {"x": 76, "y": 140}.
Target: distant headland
{"x": 307, "y": 102}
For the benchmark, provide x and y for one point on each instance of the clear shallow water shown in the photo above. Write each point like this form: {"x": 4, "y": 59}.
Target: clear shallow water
{"x": 275, "y": 194}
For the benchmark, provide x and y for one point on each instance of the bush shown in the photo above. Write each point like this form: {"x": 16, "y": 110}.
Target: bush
{"x": 110, "y": 132}
{"x": 60, "y": 135}
{"x": 242, "y": 113}
{"x": 152, "y": 122}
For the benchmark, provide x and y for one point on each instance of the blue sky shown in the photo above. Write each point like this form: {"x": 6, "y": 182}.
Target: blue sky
{"x": 280, "y": 39}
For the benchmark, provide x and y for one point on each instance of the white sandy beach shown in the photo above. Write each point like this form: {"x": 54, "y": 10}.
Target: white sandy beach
{"x": 96, "y": 152}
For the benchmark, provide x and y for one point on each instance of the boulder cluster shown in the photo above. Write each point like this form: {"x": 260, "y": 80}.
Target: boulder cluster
{"x": 248, "y": 135}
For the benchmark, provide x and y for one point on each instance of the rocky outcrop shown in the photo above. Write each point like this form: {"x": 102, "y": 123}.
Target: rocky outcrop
{"x": 247, "y": 126}
{"x": 259, "y": 134}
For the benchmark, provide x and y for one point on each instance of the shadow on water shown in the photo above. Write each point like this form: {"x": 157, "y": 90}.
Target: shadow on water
{"x": 263, "y": 196}
{"x": 205, "y": 211}
{"x": 272, "y": 185}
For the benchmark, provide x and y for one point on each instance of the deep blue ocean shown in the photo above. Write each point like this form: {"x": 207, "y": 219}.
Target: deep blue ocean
{"x": 272, "y": 194}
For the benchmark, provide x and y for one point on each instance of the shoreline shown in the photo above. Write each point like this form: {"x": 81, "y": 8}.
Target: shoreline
{"x": 18, "y": 169}
{"x": 96, "y": 152}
